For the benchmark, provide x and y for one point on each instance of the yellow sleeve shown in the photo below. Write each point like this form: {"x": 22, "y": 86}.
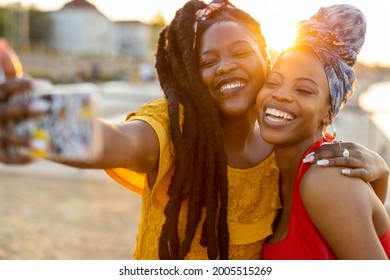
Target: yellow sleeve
{"x": 155, "y": 113}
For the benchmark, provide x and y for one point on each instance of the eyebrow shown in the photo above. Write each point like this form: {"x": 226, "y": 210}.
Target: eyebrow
{"x": 238, "y": 42}
{"x": 309, "y": 80}
{"x": 299, "y": 79}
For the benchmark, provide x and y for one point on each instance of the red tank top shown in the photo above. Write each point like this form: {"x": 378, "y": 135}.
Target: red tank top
{"x": 303, "y": 241}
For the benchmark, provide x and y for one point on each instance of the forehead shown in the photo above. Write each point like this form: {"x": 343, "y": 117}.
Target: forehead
{"x": 301, "y": 63}
{"x": 226, "y": 32}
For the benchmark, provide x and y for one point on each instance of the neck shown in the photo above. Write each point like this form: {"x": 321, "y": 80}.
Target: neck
{"x": 288, "y": 158}
{"x": 237, "y": 131}
{"x": 244, "y": 145}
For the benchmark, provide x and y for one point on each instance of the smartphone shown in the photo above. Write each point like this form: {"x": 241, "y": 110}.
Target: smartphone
{"x": 66, "y": 130}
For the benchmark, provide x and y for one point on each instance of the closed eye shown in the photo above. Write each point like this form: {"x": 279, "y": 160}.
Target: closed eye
{"x": 271, "y": 84}
{"x": 305, "y": 91}
{"x": 207, "y": 63}
{"x": 242, "y": 53}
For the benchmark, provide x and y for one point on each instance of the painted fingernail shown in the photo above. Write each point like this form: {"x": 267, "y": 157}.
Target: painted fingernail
{"x": 309, "y": 157}
{"x": 323, "y": 162}
{"x": 325, "y": 143}
{"x": 346, "y": 171}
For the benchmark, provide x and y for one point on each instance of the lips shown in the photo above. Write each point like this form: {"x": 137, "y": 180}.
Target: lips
{"x": 230, "y": 86}
{"x": 277, "y": 117}
{"x": 278, "y": 114}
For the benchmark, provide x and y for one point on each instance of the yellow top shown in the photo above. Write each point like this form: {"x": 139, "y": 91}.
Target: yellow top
{"x": 252, "y": 205}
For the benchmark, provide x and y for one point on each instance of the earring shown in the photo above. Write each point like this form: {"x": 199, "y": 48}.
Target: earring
{"x": 255, "y": 123}
{"x": 325, "y": 135}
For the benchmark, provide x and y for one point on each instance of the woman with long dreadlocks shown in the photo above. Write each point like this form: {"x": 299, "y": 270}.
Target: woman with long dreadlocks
{"x": 209, "y": 182}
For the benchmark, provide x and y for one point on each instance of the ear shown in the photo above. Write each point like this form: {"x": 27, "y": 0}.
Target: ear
{"x": 328, "y": 118}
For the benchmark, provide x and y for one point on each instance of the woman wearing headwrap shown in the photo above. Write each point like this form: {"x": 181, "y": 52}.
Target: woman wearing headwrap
{"x": 325, "y": 215}
{"x": 209, "y": 182}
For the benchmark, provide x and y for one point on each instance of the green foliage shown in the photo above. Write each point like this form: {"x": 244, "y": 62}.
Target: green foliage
{"x": 40, "y": 25}
{"x": 157, "y": 23}
{"x": 15, "y": 21}
{"x": 2, "y": 15}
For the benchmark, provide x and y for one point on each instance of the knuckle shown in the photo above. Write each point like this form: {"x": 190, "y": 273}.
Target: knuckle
{"x": 358, "y": 154}
{"x": 348, "y": 160}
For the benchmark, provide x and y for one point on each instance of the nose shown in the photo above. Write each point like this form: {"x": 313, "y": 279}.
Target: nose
{"x": 282, "y": 93}
{"x": 225, "y": 66}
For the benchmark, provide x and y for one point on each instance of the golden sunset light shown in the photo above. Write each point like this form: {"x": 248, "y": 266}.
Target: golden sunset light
{"x": 277, "y": 18}
{"x": 174, "y": 138}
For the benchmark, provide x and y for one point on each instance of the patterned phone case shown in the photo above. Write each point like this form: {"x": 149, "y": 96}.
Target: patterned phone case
{"x": 66, "y": 131}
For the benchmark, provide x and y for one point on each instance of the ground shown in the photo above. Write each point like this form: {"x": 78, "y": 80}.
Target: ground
{"x": 58, "y": 218}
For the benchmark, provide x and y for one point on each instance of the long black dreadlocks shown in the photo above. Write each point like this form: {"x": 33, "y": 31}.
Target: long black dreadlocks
{"x": 201, "y": 162}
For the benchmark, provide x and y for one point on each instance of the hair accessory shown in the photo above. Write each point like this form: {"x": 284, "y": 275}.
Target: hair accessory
{"x": 210, "y": 9}
{"x": 336, "y": 34}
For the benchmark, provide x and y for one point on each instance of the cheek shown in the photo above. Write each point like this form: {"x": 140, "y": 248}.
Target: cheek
{"x": 314, "y": 116}
{"x": 255, "y": 69}
{"x": 261, "y": 68}
{"x": 207, "y": 77}
{"x": 261, "y": 96}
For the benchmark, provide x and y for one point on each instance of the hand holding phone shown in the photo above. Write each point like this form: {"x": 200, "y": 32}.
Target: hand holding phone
{"x": 38, "y": 120}
{"x": 11, "y": 83}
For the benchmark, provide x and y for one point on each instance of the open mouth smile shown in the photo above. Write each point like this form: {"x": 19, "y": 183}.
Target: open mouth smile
{"x": 277, "y": 116}
{"x": 231, "y": 87}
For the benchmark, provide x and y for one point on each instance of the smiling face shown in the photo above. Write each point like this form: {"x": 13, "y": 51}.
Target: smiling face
{"x": 294, "y": 102}
{"x": 231, "y": 67}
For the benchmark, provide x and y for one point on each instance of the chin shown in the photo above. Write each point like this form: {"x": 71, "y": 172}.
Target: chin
{"x": 271, "y": 139}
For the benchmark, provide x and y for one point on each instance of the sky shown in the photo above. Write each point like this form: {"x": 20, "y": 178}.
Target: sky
{"x": 277, "y": 18}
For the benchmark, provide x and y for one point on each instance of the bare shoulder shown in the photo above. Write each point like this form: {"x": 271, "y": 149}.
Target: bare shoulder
{"x": 346, "y": 212}
{"x": 324, "y": 189}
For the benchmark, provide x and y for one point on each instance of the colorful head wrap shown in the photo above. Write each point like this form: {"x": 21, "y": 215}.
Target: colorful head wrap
{"x": 336, "y": 34}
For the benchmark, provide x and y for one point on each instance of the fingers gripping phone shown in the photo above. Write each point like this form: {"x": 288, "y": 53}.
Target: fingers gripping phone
{"x": 11, "y": 67}
{"x": 67, "y": 128}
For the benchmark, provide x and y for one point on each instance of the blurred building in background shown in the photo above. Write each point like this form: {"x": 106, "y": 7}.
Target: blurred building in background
{"x": 80, "y": 28}
{"x": 80, "y": 43}
{"x": 133, "y": 39}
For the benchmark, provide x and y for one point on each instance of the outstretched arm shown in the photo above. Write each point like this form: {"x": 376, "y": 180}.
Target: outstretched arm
{"x": 133, "y": 145}
{"x": 361, "y": 163}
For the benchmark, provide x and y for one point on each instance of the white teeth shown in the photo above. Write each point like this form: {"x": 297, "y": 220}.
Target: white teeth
{"x": 231, "y": 86}
{"x": 279, "y": 114}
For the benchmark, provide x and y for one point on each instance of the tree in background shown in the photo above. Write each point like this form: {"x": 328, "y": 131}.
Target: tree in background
{"x": 2, "y": 15}
{"x": 40, "y": 25}
{"x": 25, "y": 28}
{"x": 157, "y": 23}
{"x": 13, "y": 26}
